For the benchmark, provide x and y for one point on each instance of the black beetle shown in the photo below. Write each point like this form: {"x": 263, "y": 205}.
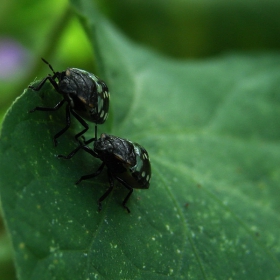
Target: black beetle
{"x": 86, "y": 95}
{"x": 126, "y": 161}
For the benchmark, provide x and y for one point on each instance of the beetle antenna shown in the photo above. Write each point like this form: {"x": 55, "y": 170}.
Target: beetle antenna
{"x": 48, "y": 65}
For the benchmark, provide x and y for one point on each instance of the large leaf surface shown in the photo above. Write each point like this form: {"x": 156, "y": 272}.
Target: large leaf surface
{"x": 212, "y": 131}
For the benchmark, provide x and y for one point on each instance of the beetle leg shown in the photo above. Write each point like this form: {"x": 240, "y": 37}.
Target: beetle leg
{"x": 91, "y": 139}
{"x": 111, "y": 183}
{"x": 86, "y": 142}
{"x": 52, "y": 81}
{"x": 92, "y": 175}
{"x": 128, "y": 195}
{"x": 82, "y": 122}
{"x": 82, "y": 146}
{"x": 68, "y": 123}
{"x": 55, "y": 108}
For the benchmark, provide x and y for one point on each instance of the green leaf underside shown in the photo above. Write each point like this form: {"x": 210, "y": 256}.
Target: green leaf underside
{"x": 212, "y": 131}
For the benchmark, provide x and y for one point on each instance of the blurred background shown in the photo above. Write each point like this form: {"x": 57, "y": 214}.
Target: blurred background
{"x": 181, "y": 29}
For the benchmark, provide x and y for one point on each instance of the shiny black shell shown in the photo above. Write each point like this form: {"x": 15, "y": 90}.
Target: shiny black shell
{"x": 126, "y": 160}
{"x": 87, "y": 98}
{"x": 86, "y": 93}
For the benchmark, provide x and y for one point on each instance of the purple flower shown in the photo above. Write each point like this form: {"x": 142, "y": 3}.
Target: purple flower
{"x": 13, "y": 57}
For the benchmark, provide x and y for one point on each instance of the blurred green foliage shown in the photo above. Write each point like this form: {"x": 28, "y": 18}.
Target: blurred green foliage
{"x": 177, "y": 28}
{"x": 186, "y": 29}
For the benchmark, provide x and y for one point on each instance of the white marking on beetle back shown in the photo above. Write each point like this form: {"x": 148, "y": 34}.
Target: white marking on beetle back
{"x": 100, "y": 104}
{"x": 143, "y": 174}
{"x": 99, "y": 88}
{"x": 102, "y": 114}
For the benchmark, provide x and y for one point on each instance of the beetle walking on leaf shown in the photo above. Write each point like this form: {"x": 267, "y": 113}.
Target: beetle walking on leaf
{"x": 87, "y": 97}
{"x": 126, "y": 161}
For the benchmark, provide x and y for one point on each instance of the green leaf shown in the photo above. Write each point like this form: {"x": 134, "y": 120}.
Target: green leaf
{"x": 212, "y": 131}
